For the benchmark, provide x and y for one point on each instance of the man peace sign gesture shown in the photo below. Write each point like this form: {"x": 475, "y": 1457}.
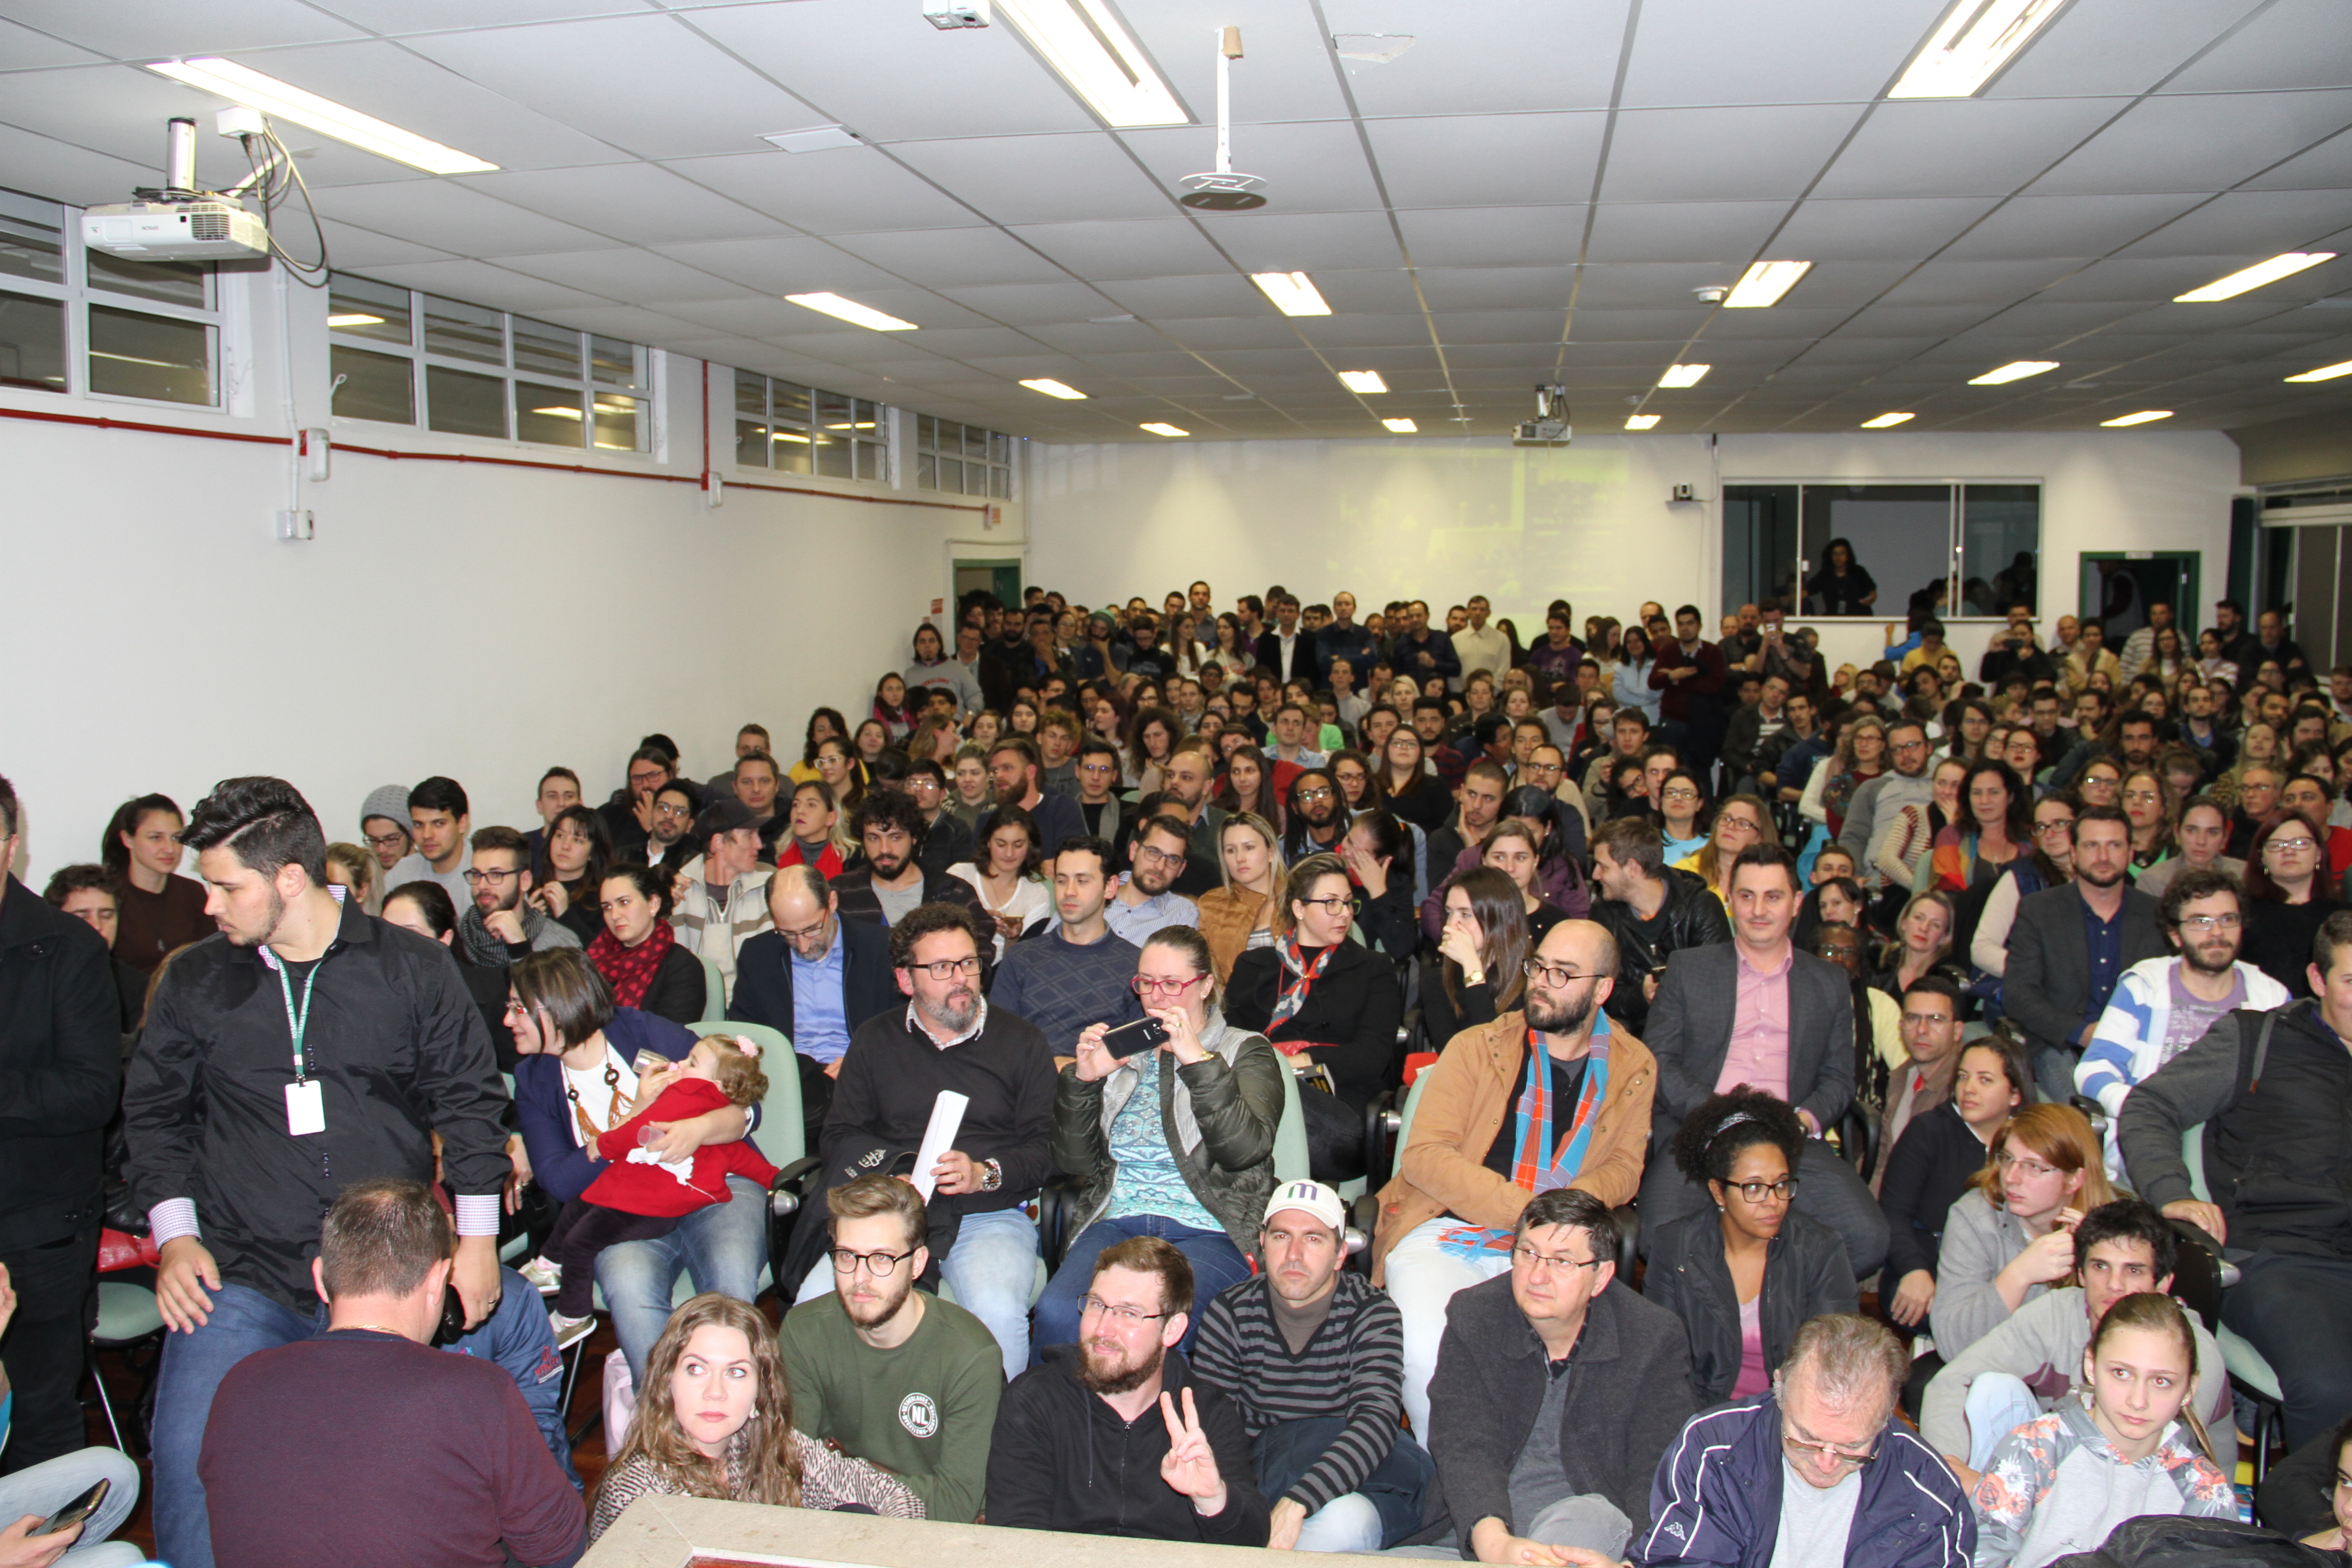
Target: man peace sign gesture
{"x": 1189, "y": 1464}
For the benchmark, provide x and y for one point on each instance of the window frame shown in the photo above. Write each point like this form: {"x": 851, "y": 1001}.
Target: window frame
{"x": 78, "y": 296}
{"x": 1952, "y": 609}
{"x": 802, "y": 419}
{"x": 996, "y": 458}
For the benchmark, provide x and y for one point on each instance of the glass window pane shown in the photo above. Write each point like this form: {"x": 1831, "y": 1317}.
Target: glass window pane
{"x": 546, "y": 350}
{"x": 927, "y": 433}
{"x": 751, "y": 396}
{"x": 999, "y": 447}
{"x": 613, "y": 363}
{"x": 831, "y": 454}
{"x": 751, "y": 442}
{"x": 951, "y": 476}
{"x": 370, "y": 386}
{"x": 975, "y": 442}
{"x": 465, "y": 403}
{"x": 464, "y": 331}
{"x": 32, "y": 342}
{"x": 927, "y": 471}
{"x": 790, "y": 404}
{"x": 173, "y": 283}
{"x": 1759, "y": 544}
{"x": 787, "y": 449}
{"x": 621, "y": 424}
{"x": 2001, "y": 546}
{"x": 132, "y": 355}
{"x": 548, "y": 413}
{"x": 1900, "y": 538}
{"x": 874, "y": 462}
{"x": 359, "y": 309}
{"x": 32, "y": 244}
{"x": 833, "y": 411}
{"x": 1000, "y": 483}
{"x": 867, "y": 418}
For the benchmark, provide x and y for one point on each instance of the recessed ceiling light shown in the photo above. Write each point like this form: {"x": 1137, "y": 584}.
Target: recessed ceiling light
{"x": 1053, "y": 388}
{"x": 1362, "y": 380}
{"x": 1292, "y": 293}
{"x": 1640, "y": 421}
{"x": 850, "y": 311}
{"x": 354, "y": 319}
{"x": 1764, "y": 283}
{"x": 1684, "y": 374}
{"x": 2255, "y": 277}
{"x": 816, "y": 139}
{"x": 1976, "y": 39}
{"x": 2016, "y": 370}
{"x": 2324, "y": 372}
{"x": 2142, "y": 418}
{"x": 1085, "y": 44}
{"x": 1884, "y": 421}
{"x": 285, "y": 102}
{"x": 1162, "y": 428}
{"x": 1403, "y": 426}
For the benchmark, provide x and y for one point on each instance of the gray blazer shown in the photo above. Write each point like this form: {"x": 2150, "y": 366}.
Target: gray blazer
{"x": 2048, "y": 974}
{"x": 1690, "y": 1033}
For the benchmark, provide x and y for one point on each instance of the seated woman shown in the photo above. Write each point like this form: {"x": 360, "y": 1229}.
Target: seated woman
{"x": 1743, "y": 1281}
{"x": 2286, "y": 898}
{"x": 1239, "y": 916}
{"x": 638, "y": 953}
{"x": 1477, "y": 973}
{"x": 2338, "y": 1535}
{"x": 1932, "y": 1164}
{"x": 1922, "y": 945}
{"x": 714, "y": 1419}
{"x": 1513, "y": 848}
{"x": 354, "y": 866}
{"x": 2061, "y": 1483}
{"x": 1005, "y": 854}
{"x": 432, "y": 915}
{"x": 579, "y": 850}
{"x": 2011, "y": 1238}
{"x": 1329, "y": 1004}
{"x": 1741, "y": 820}
{"x": 576, "y": 1079}
{"x": 1175, "y": 1141}
{"x": 1681, "y": 801}
{"x": 1378, "y": 854}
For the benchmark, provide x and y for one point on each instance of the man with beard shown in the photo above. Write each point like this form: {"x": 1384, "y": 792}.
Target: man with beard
{"x": 1877, "y": 809}
{"x": 1145, "y": 902}
{"x": 2071, "y": 944}
{"x": 891, "y": 881}
{"x": 1115, "y": 1434}
{"x": 498, "y": 925}
{"x": 950, "y": 1038}
{"x": 1314, "y": 817}
{"x": 1482, "y": 789}
{"x": 668, "y": 845}
{"x": 888, "y": 1373}
{"x": 632, "y": 815}
{"x": 1078, "y": 971}
{"x": 1184, "y": 794}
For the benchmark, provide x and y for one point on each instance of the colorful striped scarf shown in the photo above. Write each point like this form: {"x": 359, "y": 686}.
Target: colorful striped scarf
{"x": 1541, "y": 1165}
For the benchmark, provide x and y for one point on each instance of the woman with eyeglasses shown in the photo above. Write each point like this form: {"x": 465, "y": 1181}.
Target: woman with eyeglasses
{"x": 1744, "y": 1279}
{"x": 1739, "y": 821}
{"x": 2287, "y": 897}
{"x": 1174, "y": 1141}
{"x": 2147, "y": 806}
{"x": 2049, "y": 863}
{"x": 2313, "y": 797}
{"x": 2011, "y": 1238}
{"x": 1681, "y": 800}
{"x": 1860, "y": 757}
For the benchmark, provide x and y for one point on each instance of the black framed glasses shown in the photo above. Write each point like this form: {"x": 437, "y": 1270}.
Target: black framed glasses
{"x": 496, "y": 878}
{"x": 1553, "y": 975}
{"x": 1126, "y": 1317}
{"x": 1756, "y": 1192}
{"x": 881, "y": 1265}
{"x": 948, "y": 968}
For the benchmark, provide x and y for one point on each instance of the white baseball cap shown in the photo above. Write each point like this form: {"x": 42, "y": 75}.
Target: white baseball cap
{"x": 1314, "y": 1197}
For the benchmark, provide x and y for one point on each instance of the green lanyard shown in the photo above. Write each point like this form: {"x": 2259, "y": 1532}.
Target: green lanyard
{"x": 297, "y": 1024}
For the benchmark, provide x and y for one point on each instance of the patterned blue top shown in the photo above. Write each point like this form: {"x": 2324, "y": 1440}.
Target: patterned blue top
{"x": 1148, "y": 1181}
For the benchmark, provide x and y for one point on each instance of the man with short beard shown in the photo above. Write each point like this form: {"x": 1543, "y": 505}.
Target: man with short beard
{"x": 497, "y": 926}
{"x": 1316, "y": 815}
{"x": 1116, "y": 1435}
{"x": 668, "y": 845}
{"x": 891, "y": 881}
{"x": 1184, "y": 794}
{"x": 1145, "y": 902}
{"x": 884, "y": 1372}
{"x": 2071, "y": 945}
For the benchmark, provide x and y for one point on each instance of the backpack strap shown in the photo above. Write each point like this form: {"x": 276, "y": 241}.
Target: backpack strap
{"x": 2261, "y": 1049}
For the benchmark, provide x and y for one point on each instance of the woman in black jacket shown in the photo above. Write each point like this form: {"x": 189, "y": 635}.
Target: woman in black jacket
{"x": 1743, "y": 1281}
{"x": 638, "y": 953}
{"x": 1329, "y": 1004}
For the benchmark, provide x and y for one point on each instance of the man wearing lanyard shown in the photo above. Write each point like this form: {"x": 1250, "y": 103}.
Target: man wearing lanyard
{"x": 258, "y": 1093}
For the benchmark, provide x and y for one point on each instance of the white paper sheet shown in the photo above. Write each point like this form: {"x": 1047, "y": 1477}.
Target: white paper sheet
{"x": 947, "y": 1121}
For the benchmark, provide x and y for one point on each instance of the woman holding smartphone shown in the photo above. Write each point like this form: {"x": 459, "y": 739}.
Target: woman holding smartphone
{"x": 35, "y": 1494}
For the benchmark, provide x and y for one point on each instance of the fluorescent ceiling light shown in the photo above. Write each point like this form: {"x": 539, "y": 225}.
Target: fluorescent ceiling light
{"x": 558, "y": 412}
{"x": 1362, "y": 380}
{"x": 1162, "y": 428}
{"x": 1976, "y": 39}
{"x": 1053, "y": 388}
{"x": 2142, "y": 418}
{"x": 2016, "y": 370}
{"x": 2255, "y": 277}
{"x": 1884, "y": 421}
{"x": 1639, "y": 421}
{"x": 1684, "y": 374}
{"x": 1764, "y": 283}
{"x": 1292, "y": 293}
{"x": 355, "y": 320}
{"x": 272, "y": 97}
{"x": 817, "y": 139}
{"x": 788, "y": 436}
{"x": 850, "y": 311}
{"x": 1085, "y": 44}
{"x": 2324, "y": 372}
{"x": 1403, "y": 426}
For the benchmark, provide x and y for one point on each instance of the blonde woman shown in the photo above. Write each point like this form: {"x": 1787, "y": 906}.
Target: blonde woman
{"x": 354, "y": 866}
{"x": 1242, "y": 914}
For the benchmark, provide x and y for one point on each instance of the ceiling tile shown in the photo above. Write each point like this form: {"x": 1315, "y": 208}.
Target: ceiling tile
{"x": 1135, "y": 248}
{"x": 839, "y": 190}
{"x": 481, "y": 283}
{"x": 1492, "y": 236}
{"x": 349, "y": 245}
{"x": 58, "y": 172}
{"x": 1062, "y": 303}
{"x": 2025, "y": 229}
{"x": 2292, "y": 43}
{"x": 953, "y": 258}
{"x": 2203, "y": 140}
{"x": 1157, "y": 299}
{"x": 1488, "y": 160}
{"x": 1958, "y": 147}
{"x": 1041, "y": 179}
{"x": 638, "y": 203}
{"x": 625, "y": 274}
{"x": 451, "y": 216}
{"x": 22, "y": 48}
{"x": 1731, "y": 52}
{"x": 1888, "y": 228}
{"x": 157, "y": 29}
{"x": 1267, "y": 241}
{"x": 630, "y": 321}
{"x": 1724, "y": 233}
{"x": 1991, "y": 284}
{"x": 1723, "y": 154}
{"x": 394, "y": 18}
{"x": 2254, "y": 223}
{"x": 781, "y": 266}
{"x": 1569, "y": 56}
{"x": 2100, "y": 48}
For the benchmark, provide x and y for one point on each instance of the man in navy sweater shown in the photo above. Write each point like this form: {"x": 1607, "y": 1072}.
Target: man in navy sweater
{"x": 1078, "y": 972}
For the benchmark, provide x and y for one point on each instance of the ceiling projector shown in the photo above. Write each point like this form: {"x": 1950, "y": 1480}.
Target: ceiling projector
{"x": 178, "y": 222}
{"x": 1550, "y": 427}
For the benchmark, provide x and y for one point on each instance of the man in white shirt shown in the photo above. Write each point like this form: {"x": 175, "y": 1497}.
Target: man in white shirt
{"x": 1284, "y": 650}
{"x": 1479, "y": 645}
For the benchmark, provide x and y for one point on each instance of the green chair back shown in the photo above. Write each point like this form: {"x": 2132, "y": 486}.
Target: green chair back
{"x": 781, "y": 1138}
{"x": 714, "y": 990}
{"x": 1290, "y": 1135}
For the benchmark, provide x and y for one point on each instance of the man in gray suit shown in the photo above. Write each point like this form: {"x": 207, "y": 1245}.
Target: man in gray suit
{"x": 1757, "y": 1012}
{"x": 2071, "y": 944}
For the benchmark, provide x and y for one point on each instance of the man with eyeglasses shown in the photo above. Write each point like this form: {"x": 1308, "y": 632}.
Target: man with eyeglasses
{"x": 2258, "y": 797}
{"x": 1930, "y": 1025}
{"x": 719, "y": 900}
{"x": 1146, "y": 900}
{"x": 630, "y": 815}
{"x": 888, "y": 1373}
{"x": 1876, "y": 810}
{"x": 814, "y": 978}
{"x": 2070, "y": 946}
{"x": 669, "y": 844}
{"x": 951, "y": 1038}
{"x": 1816, "y": 1470}
{"x": 1316, "y": 819}
{"x": 946, "y": 838}
{"x": 497, "y": 924}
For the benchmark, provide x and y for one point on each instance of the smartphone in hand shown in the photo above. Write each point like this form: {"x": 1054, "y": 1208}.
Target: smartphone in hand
{"x": 76, "y": 1511}
{"x": 1133, "y": 1039}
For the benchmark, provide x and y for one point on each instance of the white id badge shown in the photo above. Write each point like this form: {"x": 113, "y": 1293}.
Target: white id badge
{"x": 306, "y": 1108}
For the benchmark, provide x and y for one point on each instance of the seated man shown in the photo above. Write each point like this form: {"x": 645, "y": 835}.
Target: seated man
{"x": 949, "y": 1038}
{"x": 1308, "y": 1352}
{"x": 2071, "y": 944}
{"x": 397, "y": 1453}
{"x": 1556, "y": 1396}
{"x": 1146, "y": 900}
{"x": 1078, "y": 971}
{"x": 1491, "y": 1132}
{"x": 1651, "y": 910}
{"x": 1116, "y": 1435}
{"x": 892, "y": 878}
{"x": 1755, "y": 1011}
{"x": 2274, "y": 1166}
{"x": 720, "y": 897}
{"x": 888, "y": 1373}
{"x": 946, "y": 838}
{"x": 814, "y": 977}
{"x": 1818, "y": 1471}
{"x": 2024, "y": 1368}
{"x": 498, "y": 923}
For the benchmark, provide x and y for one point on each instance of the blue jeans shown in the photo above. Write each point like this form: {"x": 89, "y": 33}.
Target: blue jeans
{"x": 2297, "y": 1311}
{"x": 991, "y": 1269}
{"x": 45, "y": 1488}
{"x": 722, "y": 1246}
{"x": 1216, "y": 1263}
{"x": 241, "y": 1322}
{"x": 1999, "y": 1404}
{"x": 1385, "y": 1507}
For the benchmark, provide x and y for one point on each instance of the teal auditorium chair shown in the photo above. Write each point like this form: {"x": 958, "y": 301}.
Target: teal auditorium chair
{"x": 2251, "y": 1375}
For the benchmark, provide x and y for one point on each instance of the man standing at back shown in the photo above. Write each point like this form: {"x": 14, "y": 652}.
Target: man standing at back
{"x": 2071, "y": 944}
{"x": 1479, "y": 645}
{"x": 1872, "y": 815}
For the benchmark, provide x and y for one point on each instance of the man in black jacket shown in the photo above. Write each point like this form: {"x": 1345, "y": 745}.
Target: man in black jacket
{"x": 313, "y": 1046}
{"x": 60, "y": 1074}
{"x": 1114, "y": 1435}
{"x": 2071, "y": 944}
{"x": 1555, "y": 1395}
{"x": 1652, "y": 911}
{"x": 814, "y": 978}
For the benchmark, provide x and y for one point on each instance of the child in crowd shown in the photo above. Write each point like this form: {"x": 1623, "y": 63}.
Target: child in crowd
{"x": 639, "y": 1196}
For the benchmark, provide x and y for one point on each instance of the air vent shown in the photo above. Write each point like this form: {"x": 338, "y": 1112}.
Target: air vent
{"x": 209, "y": 226}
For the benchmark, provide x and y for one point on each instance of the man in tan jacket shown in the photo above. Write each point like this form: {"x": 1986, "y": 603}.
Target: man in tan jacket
{"x": 1502, "y": 1120}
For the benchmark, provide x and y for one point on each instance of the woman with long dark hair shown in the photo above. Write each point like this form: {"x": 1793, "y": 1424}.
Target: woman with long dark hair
{"x": 2286, "y": 897}
{"x": 822, "y": 723}
{"x": 1842, "y": 587}
{"x": 1404, "y": 788}
{"x": 1995, "y": 828}
{"x": 2049, "y": 862}
{"x": 2148, "y": 807}
{"x": 159, "y": 910}
{"x": 1477, "y": 973}
{"x": 638, "y": 953}
{"x": 1631, "y": 682}
{"x": 1249, "y": 785}
{"x": 579, "y": 850}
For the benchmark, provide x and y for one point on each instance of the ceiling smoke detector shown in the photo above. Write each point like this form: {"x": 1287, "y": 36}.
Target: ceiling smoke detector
{"x": 1711, "y": 293}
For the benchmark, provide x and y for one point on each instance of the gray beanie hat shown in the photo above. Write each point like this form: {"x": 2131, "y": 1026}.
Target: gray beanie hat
{"x": 390, "y": 803}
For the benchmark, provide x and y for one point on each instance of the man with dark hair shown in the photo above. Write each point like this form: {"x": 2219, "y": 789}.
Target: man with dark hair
{"x": 951, "y": 1038}
{"x": 720, "y": 897}
{"x": 1690, "y": 672}
{"x": 1877, "y": 809}
{"x": 1100, "y": 807}
{"x": 439, "y": 821}
{"x": 498, "y": 924}
{"x": 1283, "y": 647}
{"x": 891, "y": 880}
{"x": 1651, "y": 911}
{"x": 559, "y": 791}
{"x": 1420, "y": 652}
{"x": 750, "y": 741}
{"x": 814, "y": 978}
{"x": 1145, "y": 900}
{"x": 629, "y": 814}
{"x": 246, "y": 1119}
{"x": 1116, "y": 1435}
{"x": 1930, "y": 1024}
{"x": 1186, "y": 781}
{"x": 755, "y": 781}
{"x": 1315, "y": 818}
{"x": 1342, "y": 639}
{"x": 946, "y": 838}
{"x": 1078, "y": 971}
{"x": 394, "y": 1452}
{"x": 1479, "y": 807}
{"x": 1014, "y": 768}
{"x": 2070, "y": 946}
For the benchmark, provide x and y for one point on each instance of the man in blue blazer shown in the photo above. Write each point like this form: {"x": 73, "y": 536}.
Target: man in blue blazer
{"x": 814, "y": 977}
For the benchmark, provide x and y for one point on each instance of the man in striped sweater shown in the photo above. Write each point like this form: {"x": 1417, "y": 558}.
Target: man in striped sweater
{"x": 1312, "y": 1358}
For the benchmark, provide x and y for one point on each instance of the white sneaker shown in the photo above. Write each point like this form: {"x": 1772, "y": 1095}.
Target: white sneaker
{"x": 545, "y": 1274}
{"x": 569, "y": 1331}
